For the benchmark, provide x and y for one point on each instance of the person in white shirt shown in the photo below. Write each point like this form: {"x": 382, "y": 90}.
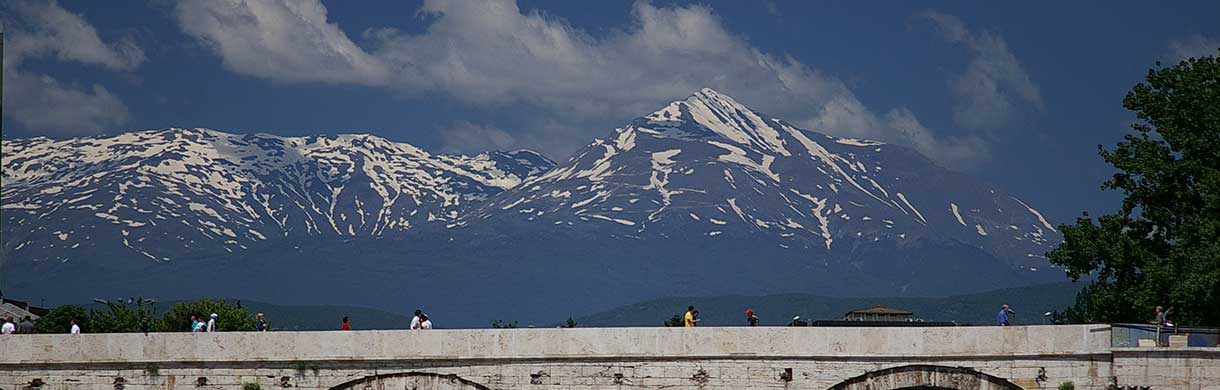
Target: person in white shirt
{"x": 415, "y": 321}
{"x": 75, "y": 328}
{"x": 425, "y": 324}
{"x": 8, "y": 327}
{"x": 212, "y": 323}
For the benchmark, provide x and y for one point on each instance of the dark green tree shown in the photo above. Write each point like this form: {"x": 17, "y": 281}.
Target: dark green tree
{"x": 58, "y": 320}
{"x": 123, "y": 316}
{"x": 570, "y": 323}
{"x": 499, "y": 324}
{"x": 1163, "y": 247}
{"x": 675, "y": 321}
{"x": 230, "y": 317}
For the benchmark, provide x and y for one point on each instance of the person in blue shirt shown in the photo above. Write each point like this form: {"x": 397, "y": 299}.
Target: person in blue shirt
{"x": 1002, "y": 318}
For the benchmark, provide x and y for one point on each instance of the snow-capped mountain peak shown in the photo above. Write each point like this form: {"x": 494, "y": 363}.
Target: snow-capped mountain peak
{"x": 205, "y": 190}
{"x": 702, "y": 196}
{"x": 708, "y": 113}
{"x": 710, "y": 166}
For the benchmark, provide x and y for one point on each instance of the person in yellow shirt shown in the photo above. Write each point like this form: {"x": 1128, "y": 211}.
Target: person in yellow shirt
{"x": 691, "y": 318}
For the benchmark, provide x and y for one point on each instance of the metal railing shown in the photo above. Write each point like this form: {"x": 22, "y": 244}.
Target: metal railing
{"x": 1129, "y": 335}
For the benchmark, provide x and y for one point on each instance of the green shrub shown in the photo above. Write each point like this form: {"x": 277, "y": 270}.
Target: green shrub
{"x": 58, "y": 320}
{"x": 498, "y": 324}
{"x": 123, "y": 316}
{"x": 675, "y": 322}
{"x": 251, "y": 386}
{"x": 230, "y": 317}
{"x": 1067, "y": 386}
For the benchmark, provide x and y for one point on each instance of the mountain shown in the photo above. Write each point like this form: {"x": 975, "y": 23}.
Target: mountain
{"x": 189, "y": 193}
{"x": 704, "y": 197}
{"x": 709, "y": 172}
{"x": 1030, "y": 303}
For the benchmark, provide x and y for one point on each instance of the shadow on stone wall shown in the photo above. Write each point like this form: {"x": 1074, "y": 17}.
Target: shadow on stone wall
{"x": 411, "y": 380}
{"x": 926, "y": 376}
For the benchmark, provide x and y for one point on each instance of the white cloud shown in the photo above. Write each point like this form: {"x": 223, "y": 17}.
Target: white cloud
{"x": 43, "y": 103}
{"x": 953, "y": 151}
{"x": 847, "y": 116}
{"x": 491, "y": 53}
{"x": 40, "y": 102}
{"x": 279, "y": 40}
{"x": 994, "y": 82}
{"x": 1193, "y": 46}
{"x": 51, "y": 30}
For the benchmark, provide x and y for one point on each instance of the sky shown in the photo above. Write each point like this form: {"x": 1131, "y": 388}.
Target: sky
{"x": 1018, "y": 94}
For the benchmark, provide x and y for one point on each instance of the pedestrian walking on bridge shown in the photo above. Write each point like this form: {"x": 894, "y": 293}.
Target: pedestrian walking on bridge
{"x": 262, "y": 325}
{"x": 1002, "y": 318}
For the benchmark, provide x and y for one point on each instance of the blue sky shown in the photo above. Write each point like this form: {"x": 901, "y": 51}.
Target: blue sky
{"x": 1018, "y": 94}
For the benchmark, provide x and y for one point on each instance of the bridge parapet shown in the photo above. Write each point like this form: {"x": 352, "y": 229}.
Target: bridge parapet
{"x": 587, "y": 343}
{"x": 594, "y": 358}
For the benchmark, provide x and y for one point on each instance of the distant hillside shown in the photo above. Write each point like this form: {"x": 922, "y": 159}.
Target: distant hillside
{"x": 311, "y": 317}
{"x": 327, "y": 317}
{"x": 1028, "y": 302}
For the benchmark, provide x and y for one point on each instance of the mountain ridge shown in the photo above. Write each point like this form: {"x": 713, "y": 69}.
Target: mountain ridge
{"x": 704, "y": 195}
{"x": 1030, "y": 302}
{"x": 241, "y": 190}
{"x": 645, "y": 165}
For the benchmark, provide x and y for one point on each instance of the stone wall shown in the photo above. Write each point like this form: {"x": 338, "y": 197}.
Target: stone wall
{"x": 1168, "y": 368}
{"x": 601, "y": 358}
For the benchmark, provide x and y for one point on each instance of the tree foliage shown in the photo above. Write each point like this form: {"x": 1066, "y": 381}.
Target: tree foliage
{"x": 675, "y": 321}
{"x": 123, "y": 315}
{"x": 230, "y": 317}
{"x": 1163, "y": 247}
{"x": 59, "y": 320}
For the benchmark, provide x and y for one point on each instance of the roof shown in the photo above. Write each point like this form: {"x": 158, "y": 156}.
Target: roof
{"x": 880, "y": 310}
{"x": 24, "y": 307}
{"x": 856, "y": 324}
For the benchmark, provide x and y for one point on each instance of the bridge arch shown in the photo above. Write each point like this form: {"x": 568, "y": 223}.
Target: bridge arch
{"x": 923, "y": 376}
{"x": 411, "y": 381}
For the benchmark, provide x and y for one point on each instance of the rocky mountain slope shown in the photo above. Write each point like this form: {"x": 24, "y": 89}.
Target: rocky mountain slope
{"x": 702, "y": 197}
{"x": 173, "y": 193}
{"x": 709, "y": 168}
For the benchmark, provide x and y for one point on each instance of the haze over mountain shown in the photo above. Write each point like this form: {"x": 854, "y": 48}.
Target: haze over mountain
{"x": 1029, "y": 303}
{"x": 702, "y": 197}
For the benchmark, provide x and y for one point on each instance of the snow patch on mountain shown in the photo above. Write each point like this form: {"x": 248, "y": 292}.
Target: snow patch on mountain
{"x": 1036, "y": 215}
{"x": 714, "y": 161}
{"x": 208, "y": 191}
{"x": 956, "y": 213}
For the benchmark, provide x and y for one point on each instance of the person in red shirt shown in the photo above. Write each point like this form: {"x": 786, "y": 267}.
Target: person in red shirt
{"x": 346, "y": 325}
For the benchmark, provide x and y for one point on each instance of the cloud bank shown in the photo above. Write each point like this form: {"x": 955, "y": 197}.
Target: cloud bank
{"x": 994, "y": 82}
{"x": 492, "y": 54}
{"x": 41, "y": 102}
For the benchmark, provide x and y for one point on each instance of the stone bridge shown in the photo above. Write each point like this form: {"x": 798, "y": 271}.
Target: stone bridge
{"x": 1020, "y": 357}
